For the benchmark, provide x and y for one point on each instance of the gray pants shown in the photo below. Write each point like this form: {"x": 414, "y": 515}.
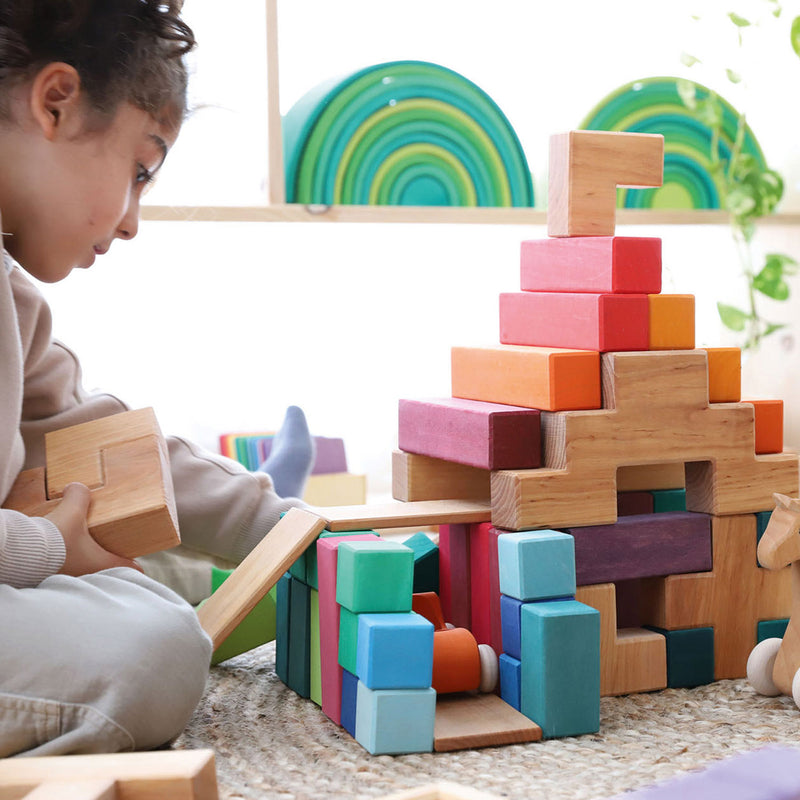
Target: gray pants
{"x": 103, "y": 663}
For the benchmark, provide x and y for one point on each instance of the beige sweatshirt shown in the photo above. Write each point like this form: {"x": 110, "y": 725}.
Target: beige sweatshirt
{"x": 223, "y": 509}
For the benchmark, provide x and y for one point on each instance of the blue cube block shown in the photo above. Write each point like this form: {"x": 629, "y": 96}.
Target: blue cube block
{"x": 394, "y": 651}
{"x": 536, "y": 565}
{"x": 349, "y": 702}
{"x": 561, "y": 667}
{"x": 510, "y": 679}
{"x": 393, "y": 721}
{"x": 509, "y": 620}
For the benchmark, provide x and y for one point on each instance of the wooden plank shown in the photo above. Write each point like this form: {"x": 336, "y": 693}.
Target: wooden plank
{"x": 395, "y": 515}
{"x": 174, "y": 774}
{"x": 417, "y": 477}
{"x": 258, "y": 573}
{"x": 484, "y": 720}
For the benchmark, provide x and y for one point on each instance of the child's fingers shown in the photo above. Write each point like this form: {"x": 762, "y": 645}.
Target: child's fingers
{"x": 77, "y": 498}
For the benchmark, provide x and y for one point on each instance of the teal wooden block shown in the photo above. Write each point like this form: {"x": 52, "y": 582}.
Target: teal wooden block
{"x": 348, "y": 640}
{"x": 771, "y": 629}
{"x": 536, "y": 565}
{"x": 668, "y": 500}
{"x": 426, "y": 563}
{"x": 394, "y": 651}
{"x": 690, "y": 656}
{"x": 374, "y": 576}
{"x": 282, "y": 611}
{"x": 395, "y": 721}
{"x": 300, "y": 638}
{"x": 560, "y": 687}
{"x": 310, "y": 555}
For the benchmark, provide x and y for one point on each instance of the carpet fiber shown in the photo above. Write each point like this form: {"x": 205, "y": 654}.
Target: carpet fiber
{"x": 272, "y": 744}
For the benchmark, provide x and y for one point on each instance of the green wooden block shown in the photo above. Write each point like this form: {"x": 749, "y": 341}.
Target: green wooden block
{"x": 300, "y": 638}
{"x": 668, "y": 500}
{"x": 690, "y": 656}
{"x": 374, "y": 576}
{"x": 283, "y": 608}
{"x": 426, "y": 563}
{"x": 348, "y": 639}
{"x": 310, "y": 555}
{"x": 771, "y": 629}
{"x": 315, "y": 657}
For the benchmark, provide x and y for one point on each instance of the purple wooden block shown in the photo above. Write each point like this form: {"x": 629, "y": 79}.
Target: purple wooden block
{"x": 330, "y": 455}
{"x": 630, "y": 503}
{"x": 484, "y": 435}
{"x": 643, "y": 546}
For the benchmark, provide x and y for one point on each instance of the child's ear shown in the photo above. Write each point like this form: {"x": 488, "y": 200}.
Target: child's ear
{"x": 55, "y": 98}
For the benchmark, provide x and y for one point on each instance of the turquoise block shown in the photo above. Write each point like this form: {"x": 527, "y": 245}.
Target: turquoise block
{"x": 394, "y": 651}
{"x": 560, "y": 688}
{"x": 426, "y": 563}
{"x": 394, "y": 721}
{"x": 771, "y": 629}
{"x": 348, "y": 640}
{"x": 310, "y": 556}
{"x": 690, "y": 656}
{"x": 668, "y": 500}
{"x": 374, "y": 576}
{"x": 536, "y": 565}
{"x": 300, "y": 638}
{"x": 510, "y": 679}
{"x": 282, "y": 609}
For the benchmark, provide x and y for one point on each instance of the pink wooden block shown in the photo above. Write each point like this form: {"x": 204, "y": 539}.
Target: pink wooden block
{"x": 495, "y": 620}
{"x": 602, "y": 322}
{"x": 484, "y": 435}
{"x": 327, "y": 555}
{"x": 607, "y": 264}
{"x": 454, "y": 575}
{"x": 480, "y": 582}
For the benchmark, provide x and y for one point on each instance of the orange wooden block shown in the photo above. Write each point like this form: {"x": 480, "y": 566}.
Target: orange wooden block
{"x": 671, "y": 322}
{"x": 585, "y": 169}
{"x": 456, "y": 661}
{"x": 427, "y": 605}
{"x": 769, "y": 425}
{"x": 724, "y": 374}
{"x": 547, "y": 378}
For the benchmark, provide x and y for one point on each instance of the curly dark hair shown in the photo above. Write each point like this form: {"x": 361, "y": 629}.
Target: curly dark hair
{"x": 124, "y": 50}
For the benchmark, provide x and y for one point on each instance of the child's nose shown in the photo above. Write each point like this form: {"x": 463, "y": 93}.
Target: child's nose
{"x": 129, "y": 224}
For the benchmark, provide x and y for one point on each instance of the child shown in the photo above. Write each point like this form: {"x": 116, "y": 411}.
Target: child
{"x": 94, "y": 655}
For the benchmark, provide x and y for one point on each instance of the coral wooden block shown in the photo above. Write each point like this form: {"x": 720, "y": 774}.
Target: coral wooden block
{"x": 483, "y": 435}
{"x": 600, "y": 322}
{"x": 631, "y": 659}
{"x": 769, "y": 425}
{"x": 454, "y": 577}
{"x": 416, "y": 477}
{"x": 724, "y": 374}
{"x": 602, "y": 264}
{"x": 551, "y": 379}
{"x": 123, "y": 459}
{"x": 671, "y": 322}
{"x": 585, "y": 169}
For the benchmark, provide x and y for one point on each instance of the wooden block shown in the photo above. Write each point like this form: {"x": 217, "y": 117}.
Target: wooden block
{"x": 395, "y": 721}
{"x": 651, "y": 477}
{"x": 335, "y": 489}
{"x": 456, "y": 661}
{"x": 483, "y": 435}
{"x": 724, "y": 374}
{"x": 657, "y": 411}
{"x": 585, "y": 169}
{"x": 510, "y": 610}
{"x": 533, "y": 377}
{"x": 510, "y": 670}
{"x": 374, "y": 576}
{"x": 416, "y": 477}
{"x": 427, "y": 605}
{"x": 769, "y": 425}
{"x": 630, "y": 503}
{"x": 258, "y": 573}
{"x": 643, "y": 546}
{"x": 604, "y": 264}
{"x": 495, "y": 620}
{"x": 299, "y": 672}
{"x": 349, "y": 701}
{"x": 690, "y": 656}
{"x": 454, "y": 577}
{"x": 283, "y": 612}
{"x": 398, "y": 515}
{"x": 77, "y": 790}
{"x": 177, "y": 774}
{"x": 632, "y": 659}
{"x": 668, "y": 500}
{"x": 123, "y": 460}
{"x": 731, "y": 598}
{"x": 348, "y": 641}
{"x": 537, "y": 565}
{"x": 571, "y": 319}
{"x": 483, "y": 720}
{"x": 671, "y": 322}
{"x": 480, "y": 615}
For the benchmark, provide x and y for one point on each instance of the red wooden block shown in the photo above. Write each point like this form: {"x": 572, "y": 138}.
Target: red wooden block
{"x": 630, "y": 503}
{"x": 454, "y": 577}
{"x": 643, "y": 546}
{"x": 602, "y": 322}
{"x": 480, "y": 608}
{"x": 607, "y": 264}
{"x": 769, "y": 425}
{"x": 484, "y": 435}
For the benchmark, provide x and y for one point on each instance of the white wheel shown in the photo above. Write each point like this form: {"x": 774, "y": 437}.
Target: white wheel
{"x": 760, "y": 665}
{"x": 796, "y": 688}
{"x": 490, "y": 668}
{"x": 449, "y": 626}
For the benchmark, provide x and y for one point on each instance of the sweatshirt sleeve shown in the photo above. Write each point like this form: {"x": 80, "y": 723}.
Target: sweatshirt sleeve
{"x": 31, "y": 549}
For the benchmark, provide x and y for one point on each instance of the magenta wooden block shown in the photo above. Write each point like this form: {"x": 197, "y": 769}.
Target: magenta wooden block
{"x": 613, "y": 264}
{"x": 480, "y": 582}
{"x": 454, "y": 577}
{"x": 485, "y": 435}
{"x": 643, "y": 546}
{"x": 329, "y": 622}
{"x": 603, "y": 322}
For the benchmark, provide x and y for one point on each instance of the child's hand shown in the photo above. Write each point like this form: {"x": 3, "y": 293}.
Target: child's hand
{"x": 84, "y": 554}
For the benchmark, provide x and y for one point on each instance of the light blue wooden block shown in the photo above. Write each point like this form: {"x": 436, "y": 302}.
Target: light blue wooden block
{"x": 395, "y": 651}
{"x": 560, "y": 687}
{"x": 510, "y": 677}
{"x": 394, "y": 721}
{"x": 536, "y": 565}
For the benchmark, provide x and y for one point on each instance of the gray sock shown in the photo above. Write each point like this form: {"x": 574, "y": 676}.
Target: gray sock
{"x": 291, "y": 458}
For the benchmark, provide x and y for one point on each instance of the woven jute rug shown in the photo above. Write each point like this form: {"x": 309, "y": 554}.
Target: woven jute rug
{"x": 270, "y": 743}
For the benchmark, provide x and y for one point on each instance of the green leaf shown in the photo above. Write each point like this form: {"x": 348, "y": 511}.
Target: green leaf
{"x": 781, "y": 262}
{"x": 733, "y": 318}
{"x": 733, "y": 77}
{"x": 739, "y": 21}
{"x": 772, "y": 327}
{"x": 688, "y": 60}
{"x": 795, "y": 34}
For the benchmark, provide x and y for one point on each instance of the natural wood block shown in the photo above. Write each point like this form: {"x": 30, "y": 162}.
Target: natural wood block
{"x": 533, "y": 377}
{"x": 123, "y": 460}
{"x": 657, "y": 411}
{"x": 465, "y": 722}
{"x": 671, "y": 322}
{"x": 631, "y": 659}
{"x": 483, "y": 435}
{"x": 416, "y": 477}
{"x": 769, "y": 425}
{"x": 335, "y": 489}
{"x": 399, "y": 515}
{"x": 585, "y": 169}
{"x": 724, "y": 374}
{"x": 732, "y": 598}
{"x": 174, "y": 774}
{"x": 601, "y": 322}
{"x": 603, "y": 264}
{"x": 651, "y": 477}
{"x": 76, "y": 790}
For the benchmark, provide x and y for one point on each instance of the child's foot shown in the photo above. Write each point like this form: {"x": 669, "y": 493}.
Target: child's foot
{"x": 292, "y": 455}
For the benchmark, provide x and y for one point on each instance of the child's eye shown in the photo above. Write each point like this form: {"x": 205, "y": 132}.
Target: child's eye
{"x": 143, "y": 175}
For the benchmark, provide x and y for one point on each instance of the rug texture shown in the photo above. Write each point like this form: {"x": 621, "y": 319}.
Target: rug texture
{"x": 270, "y": 743}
